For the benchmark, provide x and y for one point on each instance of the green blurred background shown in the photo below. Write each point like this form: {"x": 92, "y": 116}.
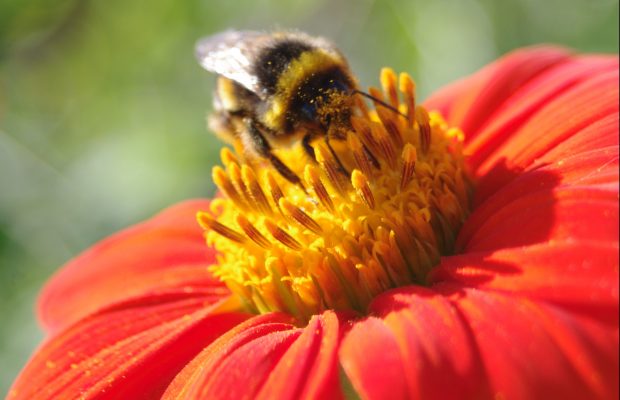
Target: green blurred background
{"x": 102, "y": 105}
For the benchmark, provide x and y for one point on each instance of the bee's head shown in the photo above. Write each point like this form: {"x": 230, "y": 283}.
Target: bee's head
{"x": 323, "y": 100}
{"x": 334, "y": 109}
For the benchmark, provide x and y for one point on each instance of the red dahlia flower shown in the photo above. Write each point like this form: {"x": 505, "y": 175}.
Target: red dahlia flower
{"x": 396, "y": 284}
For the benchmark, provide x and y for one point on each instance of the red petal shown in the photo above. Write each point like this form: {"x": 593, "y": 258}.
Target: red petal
{"x": 420, "y": 348}
{"x": 277, "y": 359}
{"x": 371, "y": 359}
{"x": 574, "y": 198}
{"x": 238, "y": 363}
{"x": 566, "y": 115}
{"x": 132, "y": 350}
{"x": 583, "y": 213}
{"x": 165, "y": 253}
{"x": 458, "y": 343}
{"x": 602, "y": 134}
{"x": 470, "y": 103}
{"x": 530, "y": 98}
{"x": 551, "y": 233}
{"x": 550, "y": 100}
{"x": 309, "y": 369}
{"x": 581, "y": 276}
{"x": 535, "y": 350}
{"x": 538, "y": 204}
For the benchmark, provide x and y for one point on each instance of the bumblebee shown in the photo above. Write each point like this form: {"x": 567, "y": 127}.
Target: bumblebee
{"x": 274, "y": 89}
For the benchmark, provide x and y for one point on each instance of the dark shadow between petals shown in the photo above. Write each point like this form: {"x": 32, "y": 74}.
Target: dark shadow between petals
{"x": 518, "y": 209}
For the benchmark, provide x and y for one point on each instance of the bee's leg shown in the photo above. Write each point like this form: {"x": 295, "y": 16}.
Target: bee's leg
{"x": 341, "y": 167}
{"x": 371, "y": 157}
{"x": 307, "y": 146}
{"x": 310, "y": 150}
{"x": 263, "y": 148}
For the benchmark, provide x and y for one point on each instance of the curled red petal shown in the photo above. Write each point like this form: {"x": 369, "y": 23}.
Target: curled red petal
{"x": 164, "y": 253}
{"x": 130, "y": 350}
{"x": 309, "y": 368}
{"x": 264, "y": 358}
{"x": 238, "y": 363}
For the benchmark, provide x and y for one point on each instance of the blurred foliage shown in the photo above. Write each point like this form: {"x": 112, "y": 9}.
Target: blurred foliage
{"x": 102, "y": 105}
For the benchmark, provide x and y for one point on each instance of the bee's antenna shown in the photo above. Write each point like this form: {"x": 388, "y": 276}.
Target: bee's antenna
{"x": 383, "y": 103}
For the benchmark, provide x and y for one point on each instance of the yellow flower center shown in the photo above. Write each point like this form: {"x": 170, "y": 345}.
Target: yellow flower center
{"x": 347, "y": 237}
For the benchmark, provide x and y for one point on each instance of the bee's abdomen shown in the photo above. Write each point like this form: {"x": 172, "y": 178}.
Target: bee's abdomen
{"x": 273, "y": 61}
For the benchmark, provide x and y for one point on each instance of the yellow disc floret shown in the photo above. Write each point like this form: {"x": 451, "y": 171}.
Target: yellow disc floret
{"x": 377, "y": 211}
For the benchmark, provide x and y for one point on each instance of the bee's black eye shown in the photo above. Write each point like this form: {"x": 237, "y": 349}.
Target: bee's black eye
{"x": 338, "y": 86}
{"x": 308, "y": 110}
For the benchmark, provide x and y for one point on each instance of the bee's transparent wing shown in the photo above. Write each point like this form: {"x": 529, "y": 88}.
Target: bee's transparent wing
{"x": 231, "y": 54}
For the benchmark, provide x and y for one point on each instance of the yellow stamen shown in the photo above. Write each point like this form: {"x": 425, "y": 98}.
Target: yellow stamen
{"x": 256, "y": 193}
{"x": 282, "y": 236}
{"x": 301, "y": 217}
{"x": 331, "y": 167}
{"x": 209, "y": 223}
{"x": 409, "y": 156}
{"x": 384, "y": 143}
{"x": 423, "y": 120}
{"x": 388, "y": 83}
{"x": 360, "y": 183}
{"x": 220, "y": 178}
{"x": 407, "y": 87}
{"x": 234, "y": 174}
{"x": 361, "y": 158}
{"x": 377, "y": 94}
{"x": 228, "y": 156}
{"x": 361, "y": 106}
{"x": 364, "y": 133}
{"x": 391, "y": 125}
{"x": 381, "y": 207}
{"x": 312, "y": 177}
{"x": 274, "y": 189}
{"x": 252, "y": 232}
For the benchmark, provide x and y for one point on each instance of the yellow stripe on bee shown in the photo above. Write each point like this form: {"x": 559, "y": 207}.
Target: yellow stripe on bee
{"x": 299, "y": 70}
{"x": 226, "y": 94}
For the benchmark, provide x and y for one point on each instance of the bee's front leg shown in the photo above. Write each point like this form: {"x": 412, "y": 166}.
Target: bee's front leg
{"x": 341, "y": 167}
{"x": 310, "y": 136}
{"x": 256, "y": 139}
{"x": 305, "y": 142}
